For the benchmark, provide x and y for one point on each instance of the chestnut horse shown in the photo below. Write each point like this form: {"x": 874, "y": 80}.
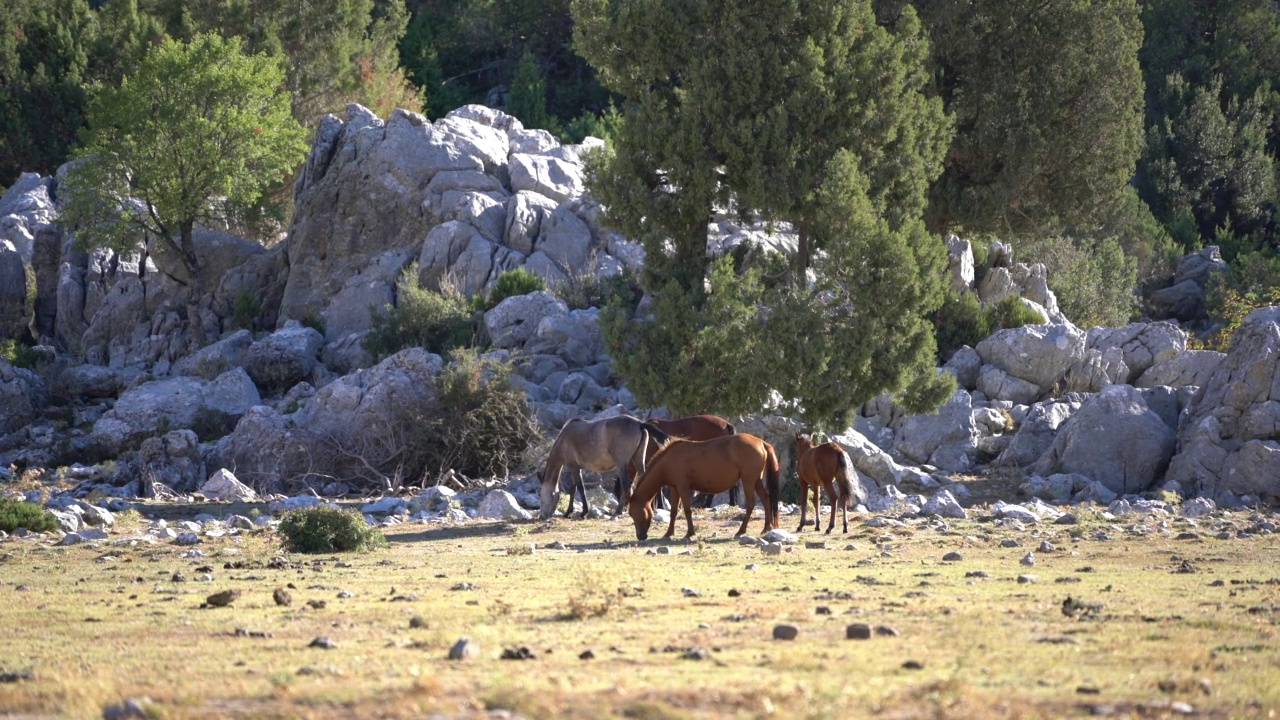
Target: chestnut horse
{"x": 598, "y": 446}
{"x": 709, "y": 466}
{"x": 816, "y": 468}
{"x": 694, "y": 427}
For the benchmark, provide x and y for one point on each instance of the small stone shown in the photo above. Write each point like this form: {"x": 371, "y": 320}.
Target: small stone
{"x": 822, "y": 610}
{"x": 858, "y": 631}
{"x": 785, "y": 632}
{"x": 734, "y": 592}
{"x": 316, "y": 604}
{"x": 222, "y": 599}
{"x": 186, "y": 538}
{"x": 555, "y": 545}
{"x": 1087, "y": 690}
{"x": 1066, "y": 519}
{"x": 699, "y": 653}
{"x": 520, "y": 653}
{"x": 282, "y": 597}
{"x": 178, "y": 577}
{"x": 16, "y": 676}
{"x": 748, "y": 540}
{"x": 887, "y": 631}
{"x": 913, "y": 665}
{"x": 1009, "y": 543}
{"x": 1025, "y": 579}
{"x": 751, "y": 566}
{"x": 815, "y": 545}
{"x": 323, "y": 642}
{"x": 977, "y": 574}
{"x": 586, "y": 655}
{"x": 689, "y": 592}
{"x": 771, "y": 548}
{"x": 1028, "y": 559}
{"x": 417, "y": 622}
{"x": 464, "y": 649}
{"x": 1187, "y": 536}
{"x": 850, "y": 547}
{"x": 344, "y": 595}
{"x": 663, "y": 550}
{"x": 952, "y": 556}
{"x": 127, "y": 710}
{"x": 1046, "y": 546}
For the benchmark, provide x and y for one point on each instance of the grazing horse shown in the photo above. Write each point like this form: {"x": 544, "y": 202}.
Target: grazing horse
{"x": 598, "y": 446}
{"x": 816, "y": 468}
{"x": 711, "y": 466}
{"x": 694, "y": 427}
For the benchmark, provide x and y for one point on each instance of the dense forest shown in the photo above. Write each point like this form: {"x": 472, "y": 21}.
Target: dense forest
{"x": 1153, "y": 122}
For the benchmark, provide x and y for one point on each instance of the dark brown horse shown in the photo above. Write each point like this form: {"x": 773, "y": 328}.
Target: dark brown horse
{"x": 826, "y": 466}
{"x": 693, "y": 427}
{"x": 712, "y": 466}
{"x": 598, "y": 446}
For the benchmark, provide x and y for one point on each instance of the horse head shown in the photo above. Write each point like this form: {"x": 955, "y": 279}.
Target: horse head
{"x": 642, "y": 515}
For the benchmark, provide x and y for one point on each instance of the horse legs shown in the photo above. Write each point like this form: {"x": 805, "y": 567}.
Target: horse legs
{"x": 577, "y": 485}
{"x": 675, "y": 510}
{"x": 804, "y": 503}
{"x": 831, "y": 493}
{"x": 734, "y": 495}
{"x": 684, "y": 496}
{"x": 751, "y": 505}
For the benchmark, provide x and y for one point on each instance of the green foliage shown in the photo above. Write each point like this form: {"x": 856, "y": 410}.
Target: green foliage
{"x": 1252, "y": 282}
{"x": 528, "y": 94}
{"x": 198, "y": 126}
{"x": 1047, "y": 100}
{"x": 480, "y": 425}
{"x": 20, "y": 354}
{"x": 1094, "y": 281}
{"x": 16, "y": 514}
{"x": 246, "y": 309}
{"x": 328, "y": 530}
{"x": 963, "y": 320}
{"x": 437, "y": 321}
{"x": 589, "y": 290}
{"x": 512, "y": 283}
{"x": 605, "y": 125}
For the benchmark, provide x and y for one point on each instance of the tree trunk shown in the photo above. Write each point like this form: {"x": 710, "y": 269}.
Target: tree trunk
{"x": 195, "y": 287}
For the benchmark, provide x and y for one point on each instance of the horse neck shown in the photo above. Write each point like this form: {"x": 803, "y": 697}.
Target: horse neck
{"x": 647, "y": 486}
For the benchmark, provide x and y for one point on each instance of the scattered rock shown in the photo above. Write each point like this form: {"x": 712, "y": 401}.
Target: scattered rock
{"x": 700, "y": 653}
{"x": 464, "y": 649}
{"x": 887, "y": 631}
{"x": 858, "y": 631}
{"x": 282, "y": 597}
{"x": 323, "y": 642}
{"x": 952, "y": 556}
{"x": 785, "y": 632}
{"x": 518, "y": 653}
{"x": 586, "y": 655}
{"x": 417, "y": 622}
{"x": 222, "y": 599}
{"x": 1028, "y": 559}
{"x": 130, "y": 709}
{"x": 913, "y": 665}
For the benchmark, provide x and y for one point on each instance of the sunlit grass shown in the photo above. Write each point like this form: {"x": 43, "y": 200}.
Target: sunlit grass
{"x": 101, "y": 622}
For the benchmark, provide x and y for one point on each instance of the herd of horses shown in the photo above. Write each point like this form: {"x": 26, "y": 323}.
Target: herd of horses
{"x": 701, "y": 453}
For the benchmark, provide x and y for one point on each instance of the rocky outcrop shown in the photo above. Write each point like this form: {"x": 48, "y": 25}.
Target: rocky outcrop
{"x": 22, "y": 395}
{"x": 177, "y": 402}
{"x": 172, "y": 461}
{"x": 1032, "y": 358}
{"x": 284, "y": 358}
{"x": 1184, "y": 299}
{"x": 1122, "y": 437}
{"x": 1229, "y": 447}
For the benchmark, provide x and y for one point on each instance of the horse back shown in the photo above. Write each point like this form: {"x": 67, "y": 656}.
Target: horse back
{"x": 696, "y": 427}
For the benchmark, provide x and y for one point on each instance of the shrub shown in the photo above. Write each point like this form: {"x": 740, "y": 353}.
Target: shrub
{"x": 1093, "y": 280}
{"x": 963, "y": 320}
{"x": 584, "y": 291}
{"x": 327, "y": 529}
{"x": 513, "y": 283}
{"x": 20, "y": 354}
{"x": 245, "y": 310}
{"x": 481, "y": 424}
{"x": 16, "y": 514}
{"x": 436, "y": 321}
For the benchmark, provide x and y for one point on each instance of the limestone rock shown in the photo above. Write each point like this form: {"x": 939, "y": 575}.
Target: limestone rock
{"x": 223, "y": 485}
{"x": 284, "y": 358}
{"x": 172, "y": 460}
{"x": 501, "y": 505}
{"x": 1038, "y": 354}
{"x": 176, "y": 402}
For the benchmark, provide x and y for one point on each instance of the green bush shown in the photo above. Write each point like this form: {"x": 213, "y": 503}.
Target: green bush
{"x": 963, "y": 320}
{"x": 19, "y": 354}
{"x": 245, "y": 310}
{"x": 481, "y": 424}
{"x": 16, "y": 514}
{"x": 584, "y": 291}
{"x": 513, "y": 283}
{"x": 1253, "y": 281}
{"x": 435, "y": 321}
{"x": 1094, "y": 281}
{"x": 327, "y": 529}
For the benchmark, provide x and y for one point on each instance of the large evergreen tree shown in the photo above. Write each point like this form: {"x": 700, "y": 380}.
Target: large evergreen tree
{"x": 804, "y": 112}
{"x": 1047, "y": 98}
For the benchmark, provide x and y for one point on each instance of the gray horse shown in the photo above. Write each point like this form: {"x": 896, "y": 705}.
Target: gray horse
{"x": 598, "y": 446}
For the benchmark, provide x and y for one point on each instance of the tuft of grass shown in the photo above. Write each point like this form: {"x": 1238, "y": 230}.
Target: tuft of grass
{"x": 16, "y": 514}
{"x": 326, "y": 530}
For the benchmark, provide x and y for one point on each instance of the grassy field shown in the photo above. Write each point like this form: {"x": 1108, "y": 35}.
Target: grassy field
{"x": 1164, "y": 626}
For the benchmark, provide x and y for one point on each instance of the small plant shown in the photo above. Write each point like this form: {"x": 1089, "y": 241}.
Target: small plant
{"x": 437, "y": 321}
{"x": 313, "y": 321}
{"x": 245, "y": 310}
{"x": 586, "y": 290}
{"x": 327, "y": 529}
{"x": 20, "y": 355}
{"x": 513, "y": 283}
{"x": 16, "y": 514}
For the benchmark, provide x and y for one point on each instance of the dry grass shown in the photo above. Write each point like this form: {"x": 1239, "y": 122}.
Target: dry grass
{"x": 99, "y": 623}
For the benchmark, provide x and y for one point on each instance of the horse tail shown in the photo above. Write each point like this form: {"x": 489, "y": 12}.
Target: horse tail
{"x": 659, "y": 438}
{"x": 773, "y": 482}
{"x": 844, "y": 478}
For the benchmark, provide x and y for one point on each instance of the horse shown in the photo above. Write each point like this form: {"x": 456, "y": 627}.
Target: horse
{"x": 820, "y": 466}
{"x": 598, "y": 446}
{"x": 708, "y": 466}
{"x": 694, "y": 427}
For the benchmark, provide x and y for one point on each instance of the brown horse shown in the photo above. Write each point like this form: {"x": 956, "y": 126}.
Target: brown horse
{"x": 694, "y": 427}
{"x": 820, "y": 466}
{"x": 711, "y": 466}
{"x": 598, "y": 446}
